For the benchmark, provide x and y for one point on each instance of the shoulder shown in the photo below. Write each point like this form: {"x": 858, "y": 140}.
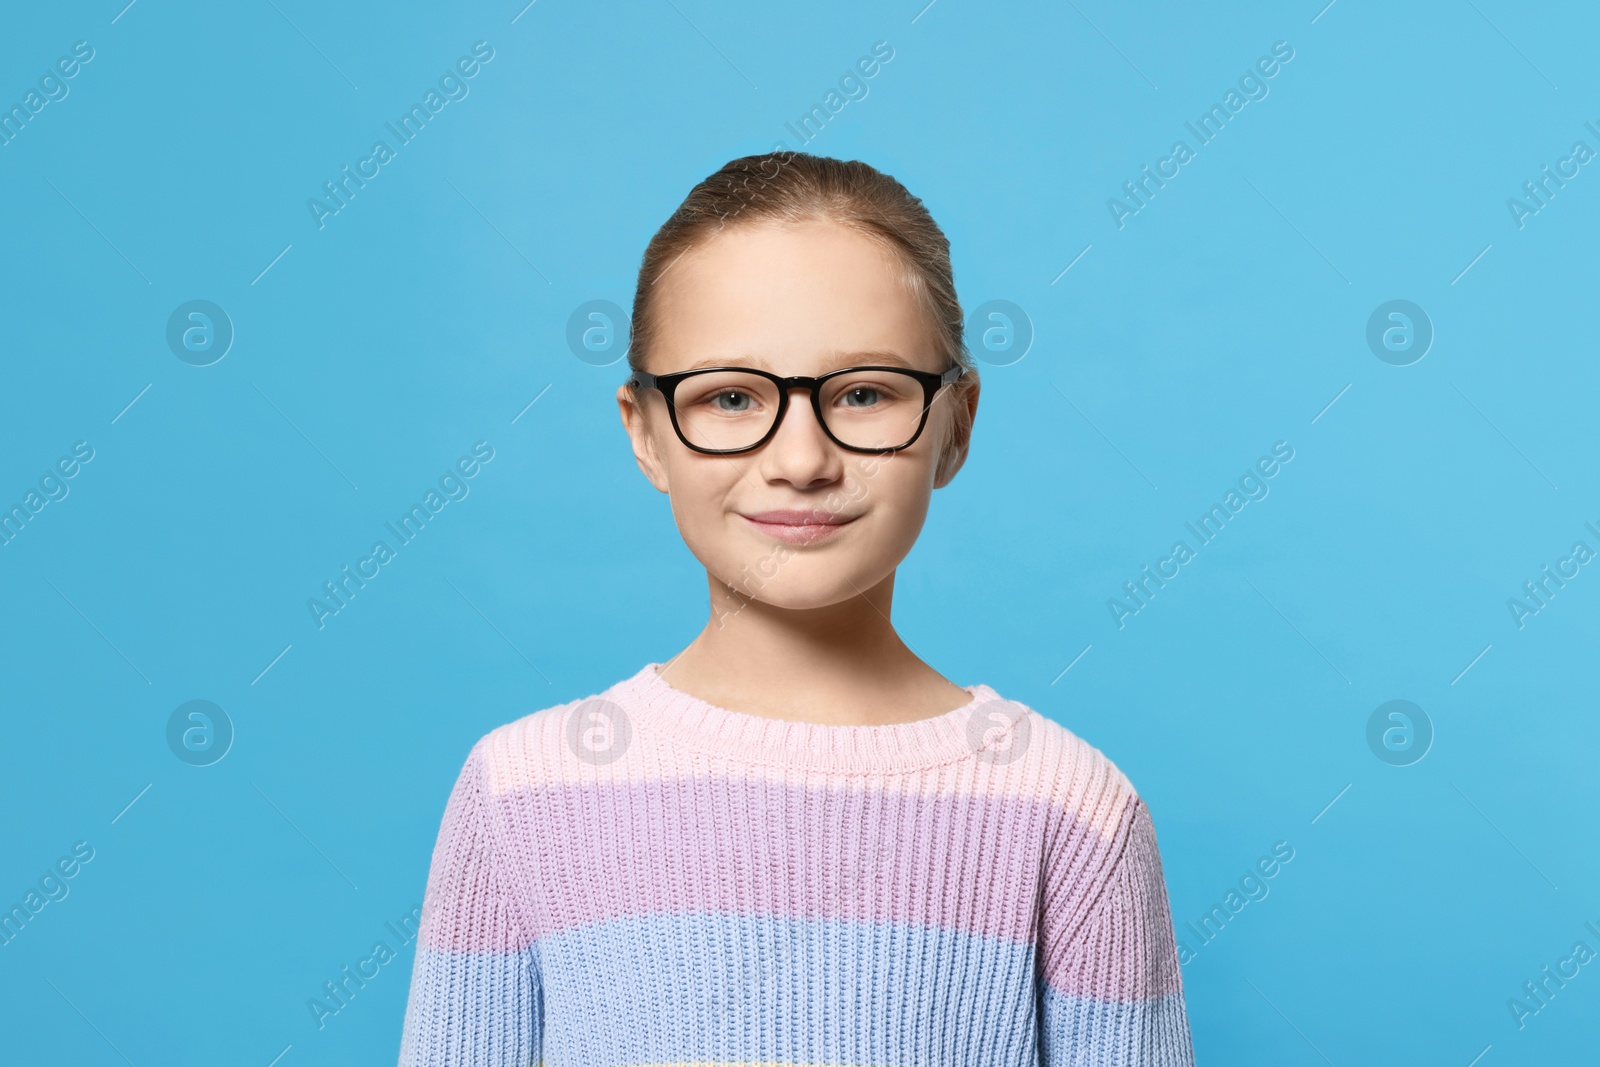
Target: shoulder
{"x": 1100, "y": 835}
{"x": 550, "y": 745}
{"x": 1071, "y": 775}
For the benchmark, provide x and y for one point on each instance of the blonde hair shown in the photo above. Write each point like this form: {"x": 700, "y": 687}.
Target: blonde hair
{"x": 800, "y": 187}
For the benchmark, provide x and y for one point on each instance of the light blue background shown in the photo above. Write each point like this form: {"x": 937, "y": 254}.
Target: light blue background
{"x": 429, "y": 313}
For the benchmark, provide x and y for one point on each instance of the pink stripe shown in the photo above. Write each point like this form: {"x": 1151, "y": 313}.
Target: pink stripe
{"x": 1122, "y": 947}
{"x": 1053, "y": 764}
{"x": 752, "y": 846}
{"x": 471, "y": 900}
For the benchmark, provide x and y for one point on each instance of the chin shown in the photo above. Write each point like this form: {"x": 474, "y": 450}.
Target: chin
{"x": 795, "y": 584}
{"x": 815, "y": 598}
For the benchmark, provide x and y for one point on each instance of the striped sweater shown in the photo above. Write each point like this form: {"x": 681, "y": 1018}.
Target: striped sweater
{"x": 641, "y": 877}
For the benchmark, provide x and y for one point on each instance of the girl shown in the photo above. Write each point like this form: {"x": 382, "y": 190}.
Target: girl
{"x": 795, "y": 842}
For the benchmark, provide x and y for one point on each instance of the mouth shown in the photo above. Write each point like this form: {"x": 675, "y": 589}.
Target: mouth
{"x": 799, "y": 527}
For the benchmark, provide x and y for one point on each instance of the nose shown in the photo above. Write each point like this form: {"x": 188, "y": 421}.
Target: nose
{"x": 800, "y": 452}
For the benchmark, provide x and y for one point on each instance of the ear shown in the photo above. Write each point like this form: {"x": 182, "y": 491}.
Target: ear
{"x": 631, "y": 407}
{"x": 964, "y": 412}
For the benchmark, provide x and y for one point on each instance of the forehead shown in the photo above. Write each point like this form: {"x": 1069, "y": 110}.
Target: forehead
{"x": 790, "y": 297}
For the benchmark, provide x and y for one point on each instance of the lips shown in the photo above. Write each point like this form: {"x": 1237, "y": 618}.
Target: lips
{"x": 800, "y": 517}
{"x": 799, "y": 526}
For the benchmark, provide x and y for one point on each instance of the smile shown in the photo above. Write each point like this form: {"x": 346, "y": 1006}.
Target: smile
{"x": 799, "y": 527}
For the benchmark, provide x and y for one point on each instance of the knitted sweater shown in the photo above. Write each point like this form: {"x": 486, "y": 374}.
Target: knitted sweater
{"x": 641, "y": 877}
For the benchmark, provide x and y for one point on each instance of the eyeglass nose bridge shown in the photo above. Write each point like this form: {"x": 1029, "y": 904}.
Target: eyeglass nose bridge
{"x": 813, "y": 386}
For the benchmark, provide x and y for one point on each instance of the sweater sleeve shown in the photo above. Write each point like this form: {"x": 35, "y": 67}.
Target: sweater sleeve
{"x": 475, "y": 997}
{"x": 1111, "y": 989}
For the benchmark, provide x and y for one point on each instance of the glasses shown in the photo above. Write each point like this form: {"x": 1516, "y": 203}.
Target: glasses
{"x": 722, "y": 411}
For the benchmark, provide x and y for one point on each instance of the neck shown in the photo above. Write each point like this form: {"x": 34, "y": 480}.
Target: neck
{"x": 842, "y": 664}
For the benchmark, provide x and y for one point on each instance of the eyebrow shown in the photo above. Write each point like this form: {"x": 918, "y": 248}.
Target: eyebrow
{"x": 833, "y": 362}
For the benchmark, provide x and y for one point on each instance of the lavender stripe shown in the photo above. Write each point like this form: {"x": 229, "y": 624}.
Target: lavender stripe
{"x": 715, "y": 844}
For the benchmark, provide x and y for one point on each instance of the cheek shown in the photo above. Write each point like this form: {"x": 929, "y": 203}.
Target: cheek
{"x": 896, "y": 481}
{"x": 696, "y": 499}
{"x": 897, "y": 492}
{"x": 699, "y": 490}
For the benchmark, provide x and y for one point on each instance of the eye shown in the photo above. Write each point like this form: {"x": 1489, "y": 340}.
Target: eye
{"x": 871, "y": 392}
{"x": 725, "y": 394}
{"x": 861, "y": 396}
{"x": 732, "y": 401}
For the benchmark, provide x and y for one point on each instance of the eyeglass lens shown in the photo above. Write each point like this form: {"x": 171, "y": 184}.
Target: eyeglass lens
{"x": 863, "y": 409}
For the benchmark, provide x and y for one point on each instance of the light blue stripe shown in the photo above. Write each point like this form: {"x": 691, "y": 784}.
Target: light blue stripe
{"x": 718, "y": 988}
{"x": 473, "y": 1009}
{"x": 722, "y": 987}
{"x": 1088, "y": 1032}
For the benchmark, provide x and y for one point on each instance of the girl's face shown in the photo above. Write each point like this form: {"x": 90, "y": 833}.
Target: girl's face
{"x": 791, "y": 298}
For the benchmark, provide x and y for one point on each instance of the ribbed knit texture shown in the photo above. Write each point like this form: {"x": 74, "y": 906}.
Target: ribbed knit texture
{"x": 643, "y": 878}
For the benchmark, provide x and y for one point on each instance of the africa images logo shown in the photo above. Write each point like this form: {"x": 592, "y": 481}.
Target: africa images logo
{"x": 452, "y": 87}
{"x": 1252, "y": 85}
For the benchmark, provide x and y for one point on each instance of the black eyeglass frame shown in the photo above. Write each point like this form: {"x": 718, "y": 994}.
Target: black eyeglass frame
{"x": 932, "y": 382}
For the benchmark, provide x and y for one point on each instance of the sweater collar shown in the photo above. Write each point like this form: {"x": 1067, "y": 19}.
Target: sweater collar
{"x": 678, "y": 717}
